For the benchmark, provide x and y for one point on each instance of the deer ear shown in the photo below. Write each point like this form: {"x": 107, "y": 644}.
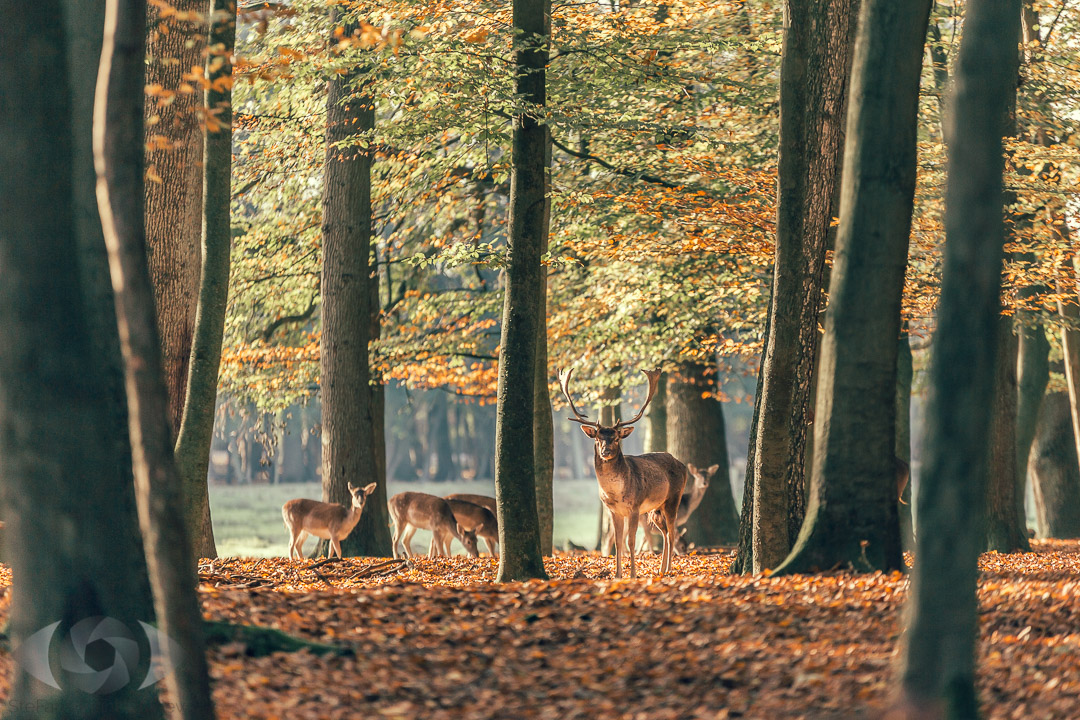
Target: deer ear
{"x": 624, "y": 431}
{"x": 369, "y": 488}
{"x": 692, "y": 468}
{"x": 352, "y": 488}
{"x": 589, "y": 430}
{"x": 712, "y": 470}
{"x": 478, "y": 528}
{"x": 460, "y": 530}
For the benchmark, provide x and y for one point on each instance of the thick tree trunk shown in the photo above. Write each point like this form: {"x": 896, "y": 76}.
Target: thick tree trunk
{"x": 350, "y": 452}
{"x": 174, "y": 200}
{"x": 84, "y": 23}
{"x": 1055, "y": 471}
{"x": 71, "y": 546}
{"x": 937, "y": 661}
{"x": 1033, "y": 374}
{"x": 852, "y": 519}
{"x": 813, "y": 79}
{"x": 1005, "y": 526}
{"x": 696, "y": 435}
{"x": 197, "y": 425}
{"x": 439, "y": 438}
{"x": 118, "y": 161}
{"x": 520, "y": 556}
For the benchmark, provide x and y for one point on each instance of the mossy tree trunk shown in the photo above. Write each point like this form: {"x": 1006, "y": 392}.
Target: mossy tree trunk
{"x": 937, "y": 659}
{"x": 814, "y": 67}
{"x": 520, "y": 556}
{"x": 66, "y": 494}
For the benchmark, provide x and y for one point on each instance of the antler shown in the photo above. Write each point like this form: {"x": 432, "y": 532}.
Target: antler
{"x": 654, "y": 377}
{"x": 564, "y": 383}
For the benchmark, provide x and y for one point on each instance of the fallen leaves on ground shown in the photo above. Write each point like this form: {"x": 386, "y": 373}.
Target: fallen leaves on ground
{"x": 438, "y": 639}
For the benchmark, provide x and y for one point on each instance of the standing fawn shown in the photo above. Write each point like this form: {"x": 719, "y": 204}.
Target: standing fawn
{"x": 328, "y": 521}
{"x": 631, "y": 485}
{"x": 477, "y": 519}
{"x": 413, "y": 510}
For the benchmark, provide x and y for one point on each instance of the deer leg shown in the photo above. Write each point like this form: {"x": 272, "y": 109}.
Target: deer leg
{"x": 335, "y": 547}
{"x": 670, "y": 514}
{"x": 618, "y": 530}
{"x": 397, "y": 538}
{"x": 632, "y": 523}
{"x": 406, "y": 541}
{"x": 298, "y": 544}
{"x": 491, "y": 547}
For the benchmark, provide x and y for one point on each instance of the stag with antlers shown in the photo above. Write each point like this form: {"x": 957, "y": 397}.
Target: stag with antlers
{"x": 632, "y": 485}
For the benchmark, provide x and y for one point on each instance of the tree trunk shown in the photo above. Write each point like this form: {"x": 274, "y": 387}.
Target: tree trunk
{"x": 543, "y": 422}
{"x": 1055, "y": 471}
{"x": 439, "y": 438}
{"x": 118, "y": 160}
{"x": 349, "y": 435}
{"x": 1070, "y": 344}
{"x": 520, "y": 555}
{"x": 905, "y": 372}
{"x": 197, "y": 425}
{"x": 1033, "y": 374}
{"x": 69, "y": 540}
{"x": 84, "y": 23}
{"x": 937, "y": 661}
{"x": 813, "y": 78}
{"x": 1005, "y": 526}
{"x": 656, "y": 418}
{"x": 852, "y": 519}
{"x": 174, "y": 201}
{"x": 696, "y": 435}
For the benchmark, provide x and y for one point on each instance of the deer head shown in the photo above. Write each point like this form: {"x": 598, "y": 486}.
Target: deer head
{"x": 360, "y": 495}
{"x": 608, "y": 439}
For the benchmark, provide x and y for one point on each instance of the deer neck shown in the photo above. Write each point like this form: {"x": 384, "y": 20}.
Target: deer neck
{"x": 612, "y": 470}
{"x": 352, "y": 516}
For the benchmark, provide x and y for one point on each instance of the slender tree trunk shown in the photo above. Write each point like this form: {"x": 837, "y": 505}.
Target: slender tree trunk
{"x": 69, "y": 540}
{"x": 744, "y": 553}
{"x": 543, "y": 422}
{"x": 118, "y": 160}
{"x": 349, "y": 435}
{"x": 174, "y": 201}
{"x": 439, "y": 438}
{"x": 1055, "y": 471}
{"x": 656, "y": 418}
{"x": 197, "y": 425}
{"x": 1006, "y": 528}
{"x": 852, "y": 520}
{"x": 905, "y": 372}
{"x": 813, "y": 79}
{"x": 520, "y": 556}
{"x": 1070, "y": 344}
{"x": 696, "y": 435}
{"x": 937, "y": 660}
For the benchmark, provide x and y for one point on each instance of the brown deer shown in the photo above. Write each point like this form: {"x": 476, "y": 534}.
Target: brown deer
{"x": 691, "y": 499}
{"x": 477, "y": 519}
{"x": 328, "y": 521}
{"x": 412, "y": 510}
{"x": 631, "y": 485}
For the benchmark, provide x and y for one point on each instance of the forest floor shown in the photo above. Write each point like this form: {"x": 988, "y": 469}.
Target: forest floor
{"x": 437, "y": 639}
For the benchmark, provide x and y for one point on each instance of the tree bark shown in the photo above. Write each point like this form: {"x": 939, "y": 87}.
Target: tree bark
{"x": 1055, "y": 471}
{"x": 197, "y": 423}
{"x": 937, "y": 661}
{"x": 349, "y": 435}
{"x": 1033, "y": 374}
{"x": 71, "y": 546}
{"x": 852, "y": 519}
{"x": 656, "y": 418}
{"x": 813, "y": 79}
{"x": 905, "y": 372}
{"x": 520, "y": 555}
{"x": 543, "y": 422}
{"x": 1070, "y": 344}
{"x": 696, "y": 435}
{"x": 174, "y": 201}
{"x": 118, "y": 161}
{"x": 1005, "y": 525}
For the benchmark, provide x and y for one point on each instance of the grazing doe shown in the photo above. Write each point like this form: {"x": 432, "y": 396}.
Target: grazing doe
{"x": 631, "y": 485}
{"x": 328, "y": 521}
{"x": 476, "y": 518}
{"x": 413, "y": 510}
